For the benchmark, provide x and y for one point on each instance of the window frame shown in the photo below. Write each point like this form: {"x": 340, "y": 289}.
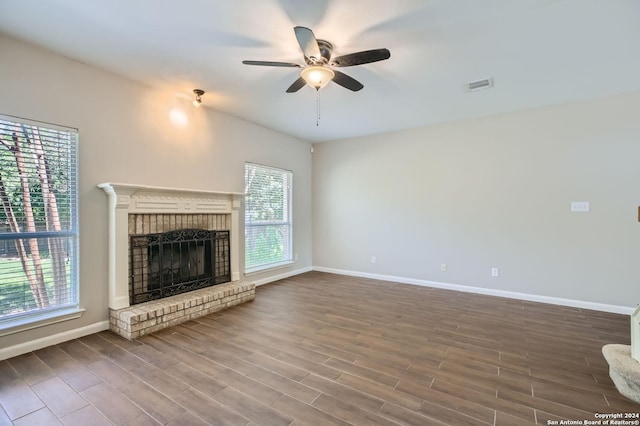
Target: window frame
{"x": 288, "y": 255}
{"x": 21, "y": 321}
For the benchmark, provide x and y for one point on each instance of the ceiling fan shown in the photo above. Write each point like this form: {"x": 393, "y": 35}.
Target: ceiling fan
{"x": 317, "y": 55}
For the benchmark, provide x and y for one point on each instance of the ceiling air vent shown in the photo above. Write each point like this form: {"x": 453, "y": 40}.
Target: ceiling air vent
{"x": 474, "y": 86}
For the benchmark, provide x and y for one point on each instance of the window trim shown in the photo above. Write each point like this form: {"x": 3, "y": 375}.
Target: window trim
{"x": 268, "y": 267}
{"x": 40, "y": 319}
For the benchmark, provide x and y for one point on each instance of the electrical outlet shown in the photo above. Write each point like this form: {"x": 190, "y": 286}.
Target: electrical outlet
{"x": 373, "y": 259}
{"x": 443, "y": 267}
{"x": 295, "y": 256}
{"x": 495, "y": 272}
{"x": 580, "y": 206}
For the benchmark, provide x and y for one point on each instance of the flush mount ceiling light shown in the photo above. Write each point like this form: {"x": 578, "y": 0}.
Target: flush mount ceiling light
{"x": 198, "y": 100}
{"x": 317, "y": 76}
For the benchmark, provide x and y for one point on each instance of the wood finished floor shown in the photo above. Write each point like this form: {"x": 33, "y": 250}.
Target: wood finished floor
{"x": 324, "y": 349}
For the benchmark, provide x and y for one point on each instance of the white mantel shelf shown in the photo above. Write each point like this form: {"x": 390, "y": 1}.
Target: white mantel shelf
{"x": 155, "y": 199}
{"x": 125, "y": 199}
{"x": 122, "y": 187}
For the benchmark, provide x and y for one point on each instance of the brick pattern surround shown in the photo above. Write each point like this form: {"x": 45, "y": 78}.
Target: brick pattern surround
{"x": 142, "y": 224}
{"x": 157, "y": 223}
{"x": 145, "y": 318}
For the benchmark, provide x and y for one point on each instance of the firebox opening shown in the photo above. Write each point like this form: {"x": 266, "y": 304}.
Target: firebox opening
{"x": 175, "y": 262}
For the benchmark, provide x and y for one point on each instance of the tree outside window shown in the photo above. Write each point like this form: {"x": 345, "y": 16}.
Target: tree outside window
{"x": 267, "y": 216}
{"x": 38, "y": 218}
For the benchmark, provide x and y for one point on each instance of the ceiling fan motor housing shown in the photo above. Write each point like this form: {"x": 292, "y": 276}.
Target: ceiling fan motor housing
{"x": 326, "y": 49}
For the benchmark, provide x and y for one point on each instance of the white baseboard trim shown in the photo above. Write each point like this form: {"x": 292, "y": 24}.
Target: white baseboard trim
{"x": 625, "y": 310}
{"x": 34, "y": 345}
{"x": 281, "y": 276}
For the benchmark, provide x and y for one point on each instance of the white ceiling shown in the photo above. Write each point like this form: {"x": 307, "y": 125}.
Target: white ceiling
{"x": 538, "y": 52}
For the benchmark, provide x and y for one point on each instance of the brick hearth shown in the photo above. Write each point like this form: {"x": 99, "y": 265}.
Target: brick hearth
{"x": 145, "y": 318}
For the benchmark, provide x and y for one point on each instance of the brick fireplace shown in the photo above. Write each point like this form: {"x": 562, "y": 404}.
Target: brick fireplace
{"x": 136, "y": 210}
{"x": 177, "y": 255}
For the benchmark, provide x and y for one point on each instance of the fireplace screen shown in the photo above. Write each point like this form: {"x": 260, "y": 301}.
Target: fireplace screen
{"x": 175, "y": 262}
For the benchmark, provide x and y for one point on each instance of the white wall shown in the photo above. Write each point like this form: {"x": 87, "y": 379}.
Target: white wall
{"x": 491, "y": 192}
{"x": 126, "y": 137}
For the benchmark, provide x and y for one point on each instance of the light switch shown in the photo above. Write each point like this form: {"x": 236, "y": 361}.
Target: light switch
{"x": 580, "y": 206}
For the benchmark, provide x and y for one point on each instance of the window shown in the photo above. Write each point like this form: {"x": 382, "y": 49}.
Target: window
{"x": 267, "y": 217}
{"x": 38, "y": 221}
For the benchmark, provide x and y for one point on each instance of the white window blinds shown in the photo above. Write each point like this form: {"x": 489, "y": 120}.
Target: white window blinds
{"x": 38, "y": 218}
{"x": 267, "y": 217}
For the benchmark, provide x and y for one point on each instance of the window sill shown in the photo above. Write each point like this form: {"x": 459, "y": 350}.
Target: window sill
{"x": 30, "y": 322}
{"x": 272, "y": 266}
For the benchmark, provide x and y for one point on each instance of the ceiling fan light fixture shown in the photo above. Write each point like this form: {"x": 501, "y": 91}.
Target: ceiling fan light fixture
{"x": 317, "y": 76}
{"x": 198, "y": 100}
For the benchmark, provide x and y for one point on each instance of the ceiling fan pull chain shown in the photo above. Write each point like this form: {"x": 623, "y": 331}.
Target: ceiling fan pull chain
{"x": 317, "y": 107}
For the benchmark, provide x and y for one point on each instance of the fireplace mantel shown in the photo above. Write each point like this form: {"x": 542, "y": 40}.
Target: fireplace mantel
{"x": 127, "y": 198}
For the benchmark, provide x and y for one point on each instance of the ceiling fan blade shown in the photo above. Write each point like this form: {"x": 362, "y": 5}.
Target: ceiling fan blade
{"x": 359, "y": 58}
{"x": 297, "y": 85}
{"x": 272, "y": 64}
{"x": 307, "y": 42}
{"x": 347, "y": 82}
